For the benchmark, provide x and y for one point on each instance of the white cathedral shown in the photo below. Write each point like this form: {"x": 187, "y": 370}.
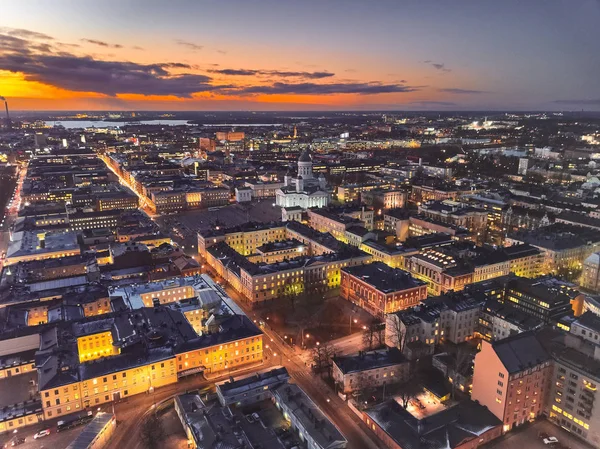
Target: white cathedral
{"x": 304, "y": 190}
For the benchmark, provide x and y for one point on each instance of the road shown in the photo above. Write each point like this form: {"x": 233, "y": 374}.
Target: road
{"x": 355, "y": 431}
{"x": 131, "y": 412}
{"x": 11, "y": 215}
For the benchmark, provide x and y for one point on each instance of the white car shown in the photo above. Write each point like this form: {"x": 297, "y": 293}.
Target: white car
{"x": 41, "y": 434}
{"x": 550, "y": 440}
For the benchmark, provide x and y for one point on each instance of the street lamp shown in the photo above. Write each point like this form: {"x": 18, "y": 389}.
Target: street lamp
{"x": 352, "y": 320}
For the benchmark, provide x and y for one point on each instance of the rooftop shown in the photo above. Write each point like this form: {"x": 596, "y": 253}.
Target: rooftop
{"x": 26, "y": 243}
{"x": 363, "y": 361}
{"x": 520, "y": 352}
{"x": 383, "y": 277}
{"x": 449, "y": 428}
{"x": 558, "y": 236}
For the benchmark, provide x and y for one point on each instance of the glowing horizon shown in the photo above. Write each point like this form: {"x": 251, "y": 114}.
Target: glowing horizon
{"x": 336, "y": 55}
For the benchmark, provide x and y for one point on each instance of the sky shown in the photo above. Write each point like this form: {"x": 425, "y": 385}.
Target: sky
{"x": 300, "y": 55}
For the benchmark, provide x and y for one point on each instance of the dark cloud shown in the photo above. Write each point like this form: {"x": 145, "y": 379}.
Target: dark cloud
{"x": 453, "y": 90}
{"x": 437, "y": 65}
{"x": 16, "y": 44}
{"x": 175, "y": 65}
{"x": 190, "y": 45}
{"x": 433, "y": 103}
{"x": 581, "y": 102}
{"x": 101, "y": 43}
{"x": 350, "y": 71}
{"x": 26, "y": 34}
{"x": 280, "y": 73}
{"x": 85, "y": 74}
{"x": 222, "y": 52}
{"x": 326, "y": 89}
{"x": 136, "y": 47}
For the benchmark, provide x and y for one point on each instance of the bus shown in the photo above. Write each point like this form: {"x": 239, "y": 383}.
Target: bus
{"x": 76, "y": 420}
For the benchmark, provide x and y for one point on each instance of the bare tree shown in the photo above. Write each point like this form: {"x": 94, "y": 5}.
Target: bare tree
{"x": 374, "y": 335}
{"x": 461, "y": 361}
{"x": 322, "y": 356}
{"x": 407, "y": 392}
{"x": 152, "y": 432}
{"x": 395, "y": 331}
{"x": 363, "y": 387}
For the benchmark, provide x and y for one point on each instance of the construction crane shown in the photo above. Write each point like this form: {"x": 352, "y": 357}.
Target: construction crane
{"x": 6, "y": 107}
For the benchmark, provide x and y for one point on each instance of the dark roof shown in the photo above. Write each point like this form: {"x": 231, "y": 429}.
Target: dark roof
{"x": 449, "y": 428}
{"x": 520, "y": 352}
{"x": 589, "y": 320}
{"x": 364, "y": 361}
{"x": 383, "y": 277}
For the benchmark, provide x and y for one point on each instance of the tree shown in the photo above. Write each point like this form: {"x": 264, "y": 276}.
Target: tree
{"x": 152, "y": 432}
{"x": 322, "y": 356}
{"x": 364, "y": 387}
{"x": 395, "y": 331}
{"x": 407, "y": 392}
{"x": 374, "y": 335}
{"x": 460, "y": 363}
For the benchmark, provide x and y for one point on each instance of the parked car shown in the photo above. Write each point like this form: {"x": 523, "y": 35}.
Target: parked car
{"x": 17, "y": 441}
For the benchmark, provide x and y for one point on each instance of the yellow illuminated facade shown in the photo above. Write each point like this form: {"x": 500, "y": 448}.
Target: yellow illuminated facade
{"x": 95, "y": 391}
{"x": 97, "y": 307}
{"x": 195, "y": 318}
{"x": 393, "y": 259}
{"x": 95, "y": 346}
{"x": 168, "y": 295}
{"x": 37, "y": 315}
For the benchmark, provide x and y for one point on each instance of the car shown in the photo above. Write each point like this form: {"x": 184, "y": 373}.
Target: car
{"x": 41, "y": 434}
{"x": 550, "y": 440}
{"x": 17, "y": 441}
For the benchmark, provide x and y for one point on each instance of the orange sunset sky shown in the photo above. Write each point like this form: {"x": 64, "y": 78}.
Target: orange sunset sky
{"x": 267, "y": 55}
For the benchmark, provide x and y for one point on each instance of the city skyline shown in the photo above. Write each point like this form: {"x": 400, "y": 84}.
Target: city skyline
{"x": 300, "y": 56}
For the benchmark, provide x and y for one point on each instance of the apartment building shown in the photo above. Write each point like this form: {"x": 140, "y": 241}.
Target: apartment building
{"x": 453, "y": 317}
{"x": 370, "y": 369}
{"x": 512, "y": 377}
{"x": 384, "y": 199}
{"x": 590, "y": 276}
{"x": 564, "y": 247}
{"x": 457, "y": 214}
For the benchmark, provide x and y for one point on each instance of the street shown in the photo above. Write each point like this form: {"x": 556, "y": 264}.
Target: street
{"x": 10, "y": 215}
{"x": 131, "y": 412}
{"x": 335, "y": 408}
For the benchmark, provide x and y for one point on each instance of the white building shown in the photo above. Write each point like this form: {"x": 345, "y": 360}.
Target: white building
{"x": 304, "y": 190}
{"x": 590, "y": 276}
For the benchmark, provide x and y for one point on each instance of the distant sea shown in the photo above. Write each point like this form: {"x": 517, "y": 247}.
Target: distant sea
{"x": 72, "y": 124}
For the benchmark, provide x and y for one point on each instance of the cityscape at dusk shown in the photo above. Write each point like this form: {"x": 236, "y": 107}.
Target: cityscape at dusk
{"x": 300, "y": 225}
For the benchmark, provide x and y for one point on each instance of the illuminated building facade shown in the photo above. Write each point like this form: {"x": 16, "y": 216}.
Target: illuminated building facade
{"x": 512, "y": 378}
{"x": 380, "y": 290}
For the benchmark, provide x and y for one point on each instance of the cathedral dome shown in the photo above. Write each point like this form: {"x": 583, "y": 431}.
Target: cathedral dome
{"x": 305, "y": 156}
